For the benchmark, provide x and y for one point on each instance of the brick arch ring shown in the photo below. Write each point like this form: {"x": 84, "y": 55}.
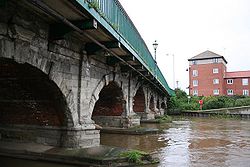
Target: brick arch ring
{"x": 110, "y": 77}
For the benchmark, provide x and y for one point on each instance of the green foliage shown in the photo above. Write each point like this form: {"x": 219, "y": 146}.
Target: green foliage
{"x": 94, "y": 4}
{"x": 180, "y": 102}
{"x": 165, "y": 119}
{"x": 134, "y": 156}
{"x": 242, "y": 102}
{"x": 212, "y": 102}
{"x": 190, "y": 106}
{"x": 115, "y": 26}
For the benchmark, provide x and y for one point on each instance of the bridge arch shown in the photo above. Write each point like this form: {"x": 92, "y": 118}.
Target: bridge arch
{"x": 107, "y": 104}
{"x": 152, "y": 104}
{"x": 139, "y": 104}
{"x": 163, "y": 105}
{"x": 158, "y": 104}
{"x": 110, "y": 102}
{"x": 29, "y": 97}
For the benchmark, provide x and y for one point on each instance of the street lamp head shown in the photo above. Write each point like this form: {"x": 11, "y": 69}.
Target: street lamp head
{"x": 155, "y": 45}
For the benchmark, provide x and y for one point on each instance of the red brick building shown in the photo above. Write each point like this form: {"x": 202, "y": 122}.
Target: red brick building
{"x": 208, "y": 76}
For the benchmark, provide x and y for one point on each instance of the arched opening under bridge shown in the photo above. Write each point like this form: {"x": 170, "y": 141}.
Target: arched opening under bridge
{"x": 109, "y": 107}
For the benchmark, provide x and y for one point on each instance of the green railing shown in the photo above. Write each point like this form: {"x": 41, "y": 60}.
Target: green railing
{"x": 113, "y": 12}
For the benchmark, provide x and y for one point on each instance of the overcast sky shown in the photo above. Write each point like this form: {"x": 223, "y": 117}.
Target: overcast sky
{"x": 186, "y": 28}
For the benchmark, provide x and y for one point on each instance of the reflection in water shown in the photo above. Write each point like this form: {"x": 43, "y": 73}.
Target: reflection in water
{"x": 13, "y": 162}
{"x": 197, "y": 142}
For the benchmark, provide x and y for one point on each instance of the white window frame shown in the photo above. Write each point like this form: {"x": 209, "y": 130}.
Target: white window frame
{"x": 195, "y": 73}
{"x": 245, "y": 81}
{"x": 229, "y": 81}
{"x": 245, "y": 92}
{"x": 230, "y": 92}
{"x": 215, "y": 60}
{"x": 216, "y": 91}
{"x": 195, "y": 83}
{"x": 216, "y": 81}
{"x": 195, "y": 92}
{"x": 215, "y": 70}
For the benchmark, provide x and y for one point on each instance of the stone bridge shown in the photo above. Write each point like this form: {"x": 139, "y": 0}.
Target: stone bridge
{"x": 66, "y": 68}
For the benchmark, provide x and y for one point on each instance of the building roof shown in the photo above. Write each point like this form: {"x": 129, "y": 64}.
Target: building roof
{"x": 207, "y": 55}
{"x": 238, "y": 74}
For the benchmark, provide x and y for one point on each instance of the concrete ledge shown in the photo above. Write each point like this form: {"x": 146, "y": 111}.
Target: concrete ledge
{"x": 131, "y": 131}
{"x": 89, "y": 156}
{"x": 151, "y": 121}
{"x": 53, "y": 136}
{"x": 95, "y": 156}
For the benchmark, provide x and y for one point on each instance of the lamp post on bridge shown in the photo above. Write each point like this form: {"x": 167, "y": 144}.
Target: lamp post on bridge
{"x": 173, "y": 70}
{"x": 155, "y": 45}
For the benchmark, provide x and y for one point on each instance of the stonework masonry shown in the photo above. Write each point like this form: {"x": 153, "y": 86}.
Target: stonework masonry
{"x": 24, "y": 39}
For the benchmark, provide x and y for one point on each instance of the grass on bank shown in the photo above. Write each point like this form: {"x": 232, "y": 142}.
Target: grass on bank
{"x": 164, "y": 119}
{"x": 138, "y": 157}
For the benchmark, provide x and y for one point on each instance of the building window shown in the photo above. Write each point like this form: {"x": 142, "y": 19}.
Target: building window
{"x": 195, "y": 92}
{"x": 216, "y": 92}
{"x": 245, "y": 92}
{"x": 195, "y": 82}
{"x": 194, "y": 62}
{"x": 230, "y": 81}
{"x": 195, "y": 73}
{"x": 215, "y": 70}
{"x": 215, "y": 60}
{"x": 230, "y": 92}
{"x": 245, "y": 81}
{"x": 216, "y": 81}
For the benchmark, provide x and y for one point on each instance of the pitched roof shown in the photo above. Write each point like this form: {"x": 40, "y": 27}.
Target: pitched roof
{"x": 207, "y": 55}
{"x": 238, "y": 74}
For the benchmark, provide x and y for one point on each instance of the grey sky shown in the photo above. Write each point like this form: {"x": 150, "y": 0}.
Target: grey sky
{"x": 186, "y": 28}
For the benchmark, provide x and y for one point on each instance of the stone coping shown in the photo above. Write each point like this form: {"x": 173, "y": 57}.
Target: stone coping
{"x": 231, "y": 109}
{"x": 131, "y": 131}
{"x": 99, "y": 156}
{"x": 95, "y": 156}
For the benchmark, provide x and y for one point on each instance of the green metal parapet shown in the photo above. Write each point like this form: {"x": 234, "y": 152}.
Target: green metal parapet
{"x": 114, "y": 18}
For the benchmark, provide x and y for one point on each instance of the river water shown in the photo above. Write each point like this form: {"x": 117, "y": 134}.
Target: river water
{"x": 195, "y": 142}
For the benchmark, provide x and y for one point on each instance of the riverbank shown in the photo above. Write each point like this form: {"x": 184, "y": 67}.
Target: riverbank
{"x": 234, "y": 112}
{"x": 96, "y": 156}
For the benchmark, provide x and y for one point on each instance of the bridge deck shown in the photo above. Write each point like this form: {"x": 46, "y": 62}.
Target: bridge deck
{"x": 116, "y": 32}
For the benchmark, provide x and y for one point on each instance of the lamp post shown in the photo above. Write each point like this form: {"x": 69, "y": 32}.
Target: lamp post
{"x": 173, "y": 70}
{"x": 155, "y": 45}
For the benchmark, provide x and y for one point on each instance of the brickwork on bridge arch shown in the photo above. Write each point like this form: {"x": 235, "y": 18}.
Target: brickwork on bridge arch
{"x": 139, "y": 101}
{"x": 28, "y": 96}
{"x": 110, "y": 102}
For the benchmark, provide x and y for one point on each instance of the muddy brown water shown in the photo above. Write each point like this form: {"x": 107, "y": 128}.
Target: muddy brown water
{"x": 196, "y": 142}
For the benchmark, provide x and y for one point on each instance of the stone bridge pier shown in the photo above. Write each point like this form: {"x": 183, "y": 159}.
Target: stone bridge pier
{"x": 56, "y": 91}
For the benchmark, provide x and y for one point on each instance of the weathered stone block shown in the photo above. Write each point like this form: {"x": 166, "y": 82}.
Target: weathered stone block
{"x": 3, "y": 29}
{"x": 21, "y": 33}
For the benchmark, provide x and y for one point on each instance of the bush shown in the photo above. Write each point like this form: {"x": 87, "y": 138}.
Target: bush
{"x": 190, "y": 106}
{"x": 180, "y": 102}
{"x": 242, "y": 102}
{"x": 212, "y": 103}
